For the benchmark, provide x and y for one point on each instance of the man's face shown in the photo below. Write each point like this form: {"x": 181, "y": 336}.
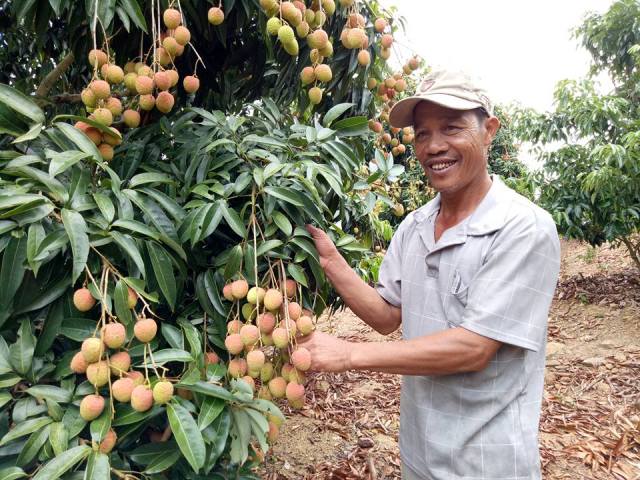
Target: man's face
{"x": 450, "y": 145}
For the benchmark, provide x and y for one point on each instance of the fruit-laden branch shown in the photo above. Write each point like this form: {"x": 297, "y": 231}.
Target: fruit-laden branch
{"x": 54, "y": 75}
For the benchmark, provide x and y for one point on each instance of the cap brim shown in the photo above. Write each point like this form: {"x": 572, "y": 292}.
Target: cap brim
{"x": 401, "y": 115}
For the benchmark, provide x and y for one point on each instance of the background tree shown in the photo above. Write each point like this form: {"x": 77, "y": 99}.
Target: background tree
{"x": 590, "y": 183}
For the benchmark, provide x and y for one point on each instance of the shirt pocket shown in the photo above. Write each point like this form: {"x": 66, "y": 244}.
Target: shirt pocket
{"x": 456, "y": 298}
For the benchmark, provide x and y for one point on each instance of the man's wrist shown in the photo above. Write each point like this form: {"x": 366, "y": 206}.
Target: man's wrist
{"x": 334, "y": 265}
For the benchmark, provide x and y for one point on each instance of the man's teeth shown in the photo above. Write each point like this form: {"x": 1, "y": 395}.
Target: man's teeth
{"x": 441, "y": 166}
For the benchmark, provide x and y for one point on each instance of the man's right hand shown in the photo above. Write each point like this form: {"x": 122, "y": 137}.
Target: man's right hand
{"x": 326, "y": 249}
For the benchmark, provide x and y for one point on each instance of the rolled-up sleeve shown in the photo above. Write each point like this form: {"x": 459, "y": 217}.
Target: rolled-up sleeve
{"x": 389, "y": 284}
{"x": 509, "y": 298}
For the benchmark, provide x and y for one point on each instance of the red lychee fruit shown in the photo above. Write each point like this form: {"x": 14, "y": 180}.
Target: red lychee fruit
{"x": 234, "y": 326}
{"x": 249, "y": 334}
{"x": 121, "y": 389}
{"x": 266, "y": 322}
{"x": 272, "y": 435}
{"x": 164, "y": 102}
{"x": 294, "y": 391}
{"x": 280, "y": 337}
{"x": 215, "y": 16}
{"x": 290, "y": 326}
{"x": 182, "y": 35}
{"x": 162, "y": 81}
{"x": 272, "y": 299}
{"x": 211, "y": 358}
{"x": 364, "y": 58}
{"x": 255, "y": 360}
{"x": 132, "y": 298}
{"x": 226, "y": 292}
{"x": 141, "y": 398}
{"x": 131, "y": 118}
{"x": 83, "y": 300}
{"x": 239, "y": 289}
{"x": 277, "y": 387}
{"x": 171, "y": 18}
{"x": 114, "y": 139}
{"x": 100, "y": 89}
{"x": 114, "y": 335}
{"x": 386, "y": 40}
{"x": 286, "y": 370}
{"x": 162, "y": 392}
{"x": 323, "y": 73}
{"x": 108, "y": 442}
{"x": 91, "y": 407}
{"x": 106, "y": 152}
{"x": 315, "y": 95}
{"x": 78, "y": 363}
{"x": 249, "y": 381}
{"x": 119, "y": 363}
{"x": 380, "y": 24}
{"x": 147, "y": 102}
{"x": 234, "y": 343}
{"x": 237, "y": 367}
{"x": 295, "y": 310}
{"x": 98, "y": 373}
{"x": 144, "y": 85}
{"x": 191, "y": 84}
{"x": 137, "y": 377}
{"x": 97, "y": 56}
{"x": 145, "y": 329}
{"x": 301, "y": 359}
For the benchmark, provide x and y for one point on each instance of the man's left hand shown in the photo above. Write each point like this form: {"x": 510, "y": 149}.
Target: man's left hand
{"x": 328, "y": 353}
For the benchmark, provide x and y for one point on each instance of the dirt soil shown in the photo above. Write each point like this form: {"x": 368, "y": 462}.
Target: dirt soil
{"x": 590, "y": 426}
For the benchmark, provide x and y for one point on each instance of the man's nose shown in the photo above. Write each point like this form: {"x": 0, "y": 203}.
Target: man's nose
{"x": 437, "y": 144}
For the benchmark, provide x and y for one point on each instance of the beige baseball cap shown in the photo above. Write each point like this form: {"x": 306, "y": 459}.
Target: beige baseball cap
{"x": 451, "y": 89}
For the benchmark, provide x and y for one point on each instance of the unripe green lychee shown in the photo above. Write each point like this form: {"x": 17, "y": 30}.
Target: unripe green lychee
{"x": 137, "y": 377}
{"x": 266, "y": 339}
{"x": 277, "y": 387}
{"x": 294, "y": 391}
{"x": 129, "y": 67}
{"x": 273, "y": 25}
{"x": 285, "y": 34}
{"x": 317, "y": 39}
{"x": 320, "y": 18}
{"x": 88, "y": 97}
{"x": 266, "y": 372}
{"x": 327, "y": 50}
{"x": 249, "y": 381}
{"x": 292, "y": 48}
{"x": 255, "y": 360}
{"x": 234, "y": 326}
{"x": 329, "y": 6}
{"x": 106, "y": 152}
{"x": 162, "y": 392}
{"x": 215, "y": 16}
{"x": 234, "y": 344}
{"x": 302, "y": 30}
{"x": 144, "y": 85}
{"x": 250, "y": 334}
{"x": 305, "y": 325}
{"x": 248, "y": 311}
{"x": 307, "y": 75}
{"x": 272, "y": 299}
{"x": 301, "y": 359}
{"x": 182, "y": 35}
{"x": 98, "y": 373}
{"x": 91, "y": 407}
{"x": 280, "y": 337}
{"x": 101, "y": 89}
{"x": 315, "y": 56}
{"x": 103, "y": 116}
{"x": 108, "y": 442}
{"x": 114, "y": 335}
{"x": 98, "y": 56}
{"x": 163, "y": 56}
{"x": 297, "y": 376}
{"x": 147, "y": 102}
{"x": 78, "y": 363}
{"x": 171, "y": 18}
{"x": 315, "y": 95}
{"x": 237, "y": 367}
{"x": 115, "y": 74}
{"x": 356, "y": 38}
{"x": 239, "y": 289}
{"x": 266, "y": 322}
{"x": 164, "y": 102}
{"x": 191, "y": 84}
{"x": 130, "y": 81}
{"x": 255, "y": 295}
{"x": 171, "y": 46}
{"x": 132, "y": 298}
{"x": 286, "y": 370}
{"x": 289, "y": 326}
{"x": 141, "y": 398}
{"x": 92, "y": 349}
{"x": 211, "y": 358}
{"x": 83, "y": 300}
{"x": 264, "y": 393}
{"x": 121, "y": 389}
{"x": 120, "y": 363}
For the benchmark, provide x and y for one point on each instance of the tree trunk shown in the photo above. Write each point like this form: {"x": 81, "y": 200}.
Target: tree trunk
{"x": 634, "y": 250}
{"x": 54, "y": 75}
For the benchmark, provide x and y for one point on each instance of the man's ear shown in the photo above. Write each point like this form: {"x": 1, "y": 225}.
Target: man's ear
{"x": 491, "y": 125}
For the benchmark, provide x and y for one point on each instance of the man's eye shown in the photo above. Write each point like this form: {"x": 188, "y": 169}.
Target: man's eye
{"x": 452, "y": 128}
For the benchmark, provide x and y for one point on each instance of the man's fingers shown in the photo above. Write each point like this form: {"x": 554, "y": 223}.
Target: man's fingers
{"x": 304, "y": 339}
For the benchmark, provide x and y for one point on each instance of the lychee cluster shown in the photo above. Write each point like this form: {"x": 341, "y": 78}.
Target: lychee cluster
{"x": 263, "y": 343}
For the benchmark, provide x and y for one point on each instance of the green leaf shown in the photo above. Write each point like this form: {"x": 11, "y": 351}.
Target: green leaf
{"x": 32, "y": 447}
{"x": 98, "y": 467}
{"x": 50, "y": 392}
{"x": 240, "y": 436}
{"x": 61, "y": 161}
{"x": 33, "y": 132}
{"x": 129, "y": 247}
{"x": 298, "y": 274}
{"x": 233, "y": 261}
{"x": 137, "y": 227}
{"x": 12, "y": 473}
{"x": 283, "y": 223}
{"x": 267, "y": 246}
{"x": 35, "y": 235}
{"x": 105, "y": 205}
{"x": 78, "y": 328}
{"x": 22, "y": 104}
{"x": 163, "y": 271}
{"x": 173, "y": 336}
{"x": 101, "y": 425}
{"x": 62, "y": 463}
{"x": 25, "y": 428}
{"x": 80, "y": 140}
{"x": 170, "y": 355}
{"x": 187, "y": 435}
{"x": 288, "y": 195}
{"x": 135, "y": 14}
{"x": 126, "y": 415}
{"x": 209, "y": 389}
{"x": 209, "y": 411}
{"x": 151, "y": 452}
{"x": 335, "y": 112}
{"x": 21, "y": 352}
{"x": 121, "y": 302}
{"x": 150, "y": 177}
{"x": 12, "y": 270}
{"x": 5, "y": 397}
{"x": 233, "y": 219}
{"x": 163, "y": 462}
{"x": 272, "y": 142}
{"x": 59, "y": 437}
{"x": 76, "y": 229}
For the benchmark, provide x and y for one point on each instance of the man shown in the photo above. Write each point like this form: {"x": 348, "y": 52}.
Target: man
{"x": 470, "y": 277}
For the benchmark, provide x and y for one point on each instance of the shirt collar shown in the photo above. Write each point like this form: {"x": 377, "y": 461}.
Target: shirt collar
{"x": 490, "y": 215}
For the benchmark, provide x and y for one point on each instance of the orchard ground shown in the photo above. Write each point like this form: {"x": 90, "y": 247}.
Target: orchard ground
{"x": 590, "y": 427}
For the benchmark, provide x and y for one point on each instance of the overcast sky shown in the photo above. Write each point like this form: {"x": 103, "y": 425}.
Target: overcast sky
{"x": 519, "y": 49}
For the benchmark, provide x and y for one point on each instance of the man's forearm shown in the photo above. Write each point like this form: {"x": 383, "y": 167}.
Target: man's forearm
{"x": 362, "y": 299}
{"x": 451, "y": 351}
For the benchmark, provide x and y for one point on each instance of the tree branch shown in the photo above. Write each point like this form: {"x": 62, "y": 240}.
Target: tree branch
{"x": 54, "y": 75}
{"x": 633, "y": 251}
